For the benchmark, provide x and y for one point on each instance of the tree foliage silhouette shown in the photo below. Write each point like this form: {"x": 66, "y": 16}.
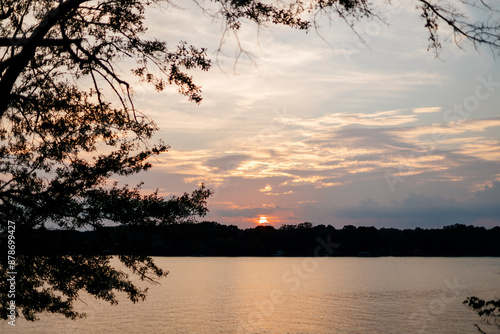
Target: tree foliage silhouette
{"x": 68, "y": 124}
{"x": 489, "y": 311}
{"x": 61, "y": 141}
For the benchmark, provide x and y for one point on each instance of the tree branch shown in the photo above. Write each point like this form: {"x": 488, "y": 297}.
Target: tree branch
{"x": 17, "y": 41}
{"x": 453, "y": 24}
{"x": 479, "y": 329}
{"x": 28, "y": 51}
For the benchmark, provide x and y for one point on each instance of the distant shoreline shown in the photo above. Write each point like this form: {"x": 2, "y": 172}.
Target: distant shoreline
{"x": 304, "y": 240}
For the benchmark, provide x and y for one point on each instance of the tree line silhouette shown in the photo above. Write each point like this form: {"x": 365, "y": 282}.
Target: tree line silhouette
{"x": 213, "y": 239}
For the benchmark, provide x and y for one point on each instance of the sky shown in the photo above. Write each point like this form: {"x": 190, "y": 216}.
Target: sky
{"x": 321, "y": 127}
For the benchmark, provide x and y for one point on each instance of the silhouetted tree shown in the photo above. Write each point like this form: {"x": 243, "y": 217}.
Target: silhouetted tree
{"x": 62, "y": 137}
{"x": 489, "y": 311}
{"x": 305, "y": 226}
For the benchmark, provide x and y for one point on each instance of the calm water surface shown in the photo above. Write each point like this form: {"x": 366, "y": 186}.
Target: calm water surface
{"x": 296, "y": 295}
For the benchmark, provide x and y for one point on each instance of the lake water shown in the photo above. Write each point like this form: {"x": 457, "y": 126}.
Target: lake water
{"x": 296, "y": 295}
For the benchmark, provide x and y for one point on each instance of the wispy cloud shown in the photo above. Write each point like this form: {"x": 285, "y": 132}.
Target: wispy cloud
{"x": 341, "y": 126}
{"x": 336, "y": 147}
{"x": 337, "y": 120}
{"x": 427, "y": 110}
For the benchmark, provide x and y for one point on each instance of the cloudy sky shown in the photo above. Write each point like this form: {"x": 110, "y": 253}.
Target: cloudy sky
{"x": 325, "y": 128}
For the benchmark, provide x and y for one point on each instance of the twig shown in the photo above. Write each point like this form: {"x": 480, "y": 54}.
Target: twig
{"x": 479, "y": 329}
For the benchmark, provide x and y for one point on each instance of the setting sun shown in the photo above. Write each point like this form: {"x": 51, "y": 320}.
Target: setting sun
{"x": 263, "y": 220}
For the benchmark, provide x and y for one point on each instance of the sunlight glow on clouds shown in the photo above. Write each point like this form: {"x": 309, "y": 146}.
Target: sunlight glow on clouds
{"x": 426, "y": 110}
{"x": 301, "y": 132}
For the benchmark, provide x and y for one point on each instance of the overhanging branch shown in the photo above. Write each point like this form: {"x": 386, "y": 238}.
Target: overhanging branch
{"x": 27, "y": 53}
{"x": 6, "y": 42}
